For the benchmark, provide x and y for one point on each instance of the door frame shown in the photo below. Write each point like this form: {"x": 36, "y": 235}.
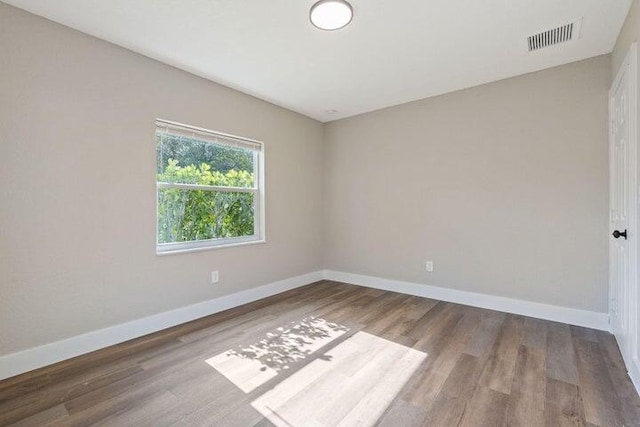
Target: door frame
{"x": 630, "y": 349}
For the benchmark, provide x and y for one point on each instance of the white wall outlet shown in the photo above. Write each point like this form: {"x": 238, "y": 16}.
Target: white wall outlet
{"x": 429, "y": 266}
{"x": 214, "y": 277}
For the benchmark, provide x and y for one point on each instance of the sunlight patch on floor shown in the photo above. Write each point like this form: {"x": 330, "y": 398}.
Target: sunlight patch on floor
{"x": 250, "y": 366}
{"x": 352, "y": 385}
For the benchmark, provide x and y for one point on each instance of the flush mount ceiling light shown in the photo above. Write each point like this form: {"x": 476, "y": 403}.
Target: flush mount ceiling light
{"x": 331, "y": 14}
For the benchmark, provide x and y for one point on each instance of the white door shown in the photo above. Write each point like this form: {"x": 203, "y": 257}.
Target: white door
{"x": 623, "y": 200}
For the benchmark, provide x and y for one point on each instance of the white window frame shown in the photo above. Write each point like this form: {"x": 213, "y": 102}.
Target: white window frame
{"x": 258, "y": 189}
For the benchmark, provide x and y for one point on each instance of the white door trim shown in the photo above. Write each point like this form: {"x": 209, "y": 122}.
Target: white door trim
{"x": 630, "y": 348}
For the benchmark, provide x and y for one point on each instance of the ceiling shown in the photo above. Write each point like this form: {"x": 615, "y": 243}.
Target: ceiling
{"x": 392, "y": 52}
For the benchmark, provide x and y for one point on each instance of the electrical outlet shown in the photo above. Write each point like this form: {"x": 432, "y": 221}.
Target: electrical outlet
{"x": 429, "y": 266}
{"x": 214, "y": 277}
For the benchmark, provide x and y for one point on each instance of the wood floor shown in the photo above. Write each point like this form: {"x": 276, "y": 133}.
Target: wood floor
{"x": 335, "y": 354}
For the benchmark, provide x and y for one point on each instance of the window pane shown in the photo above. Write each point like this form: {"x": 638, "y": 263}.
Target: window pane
{"x": 192, "y": 215}
{"x": 188, "y": 160}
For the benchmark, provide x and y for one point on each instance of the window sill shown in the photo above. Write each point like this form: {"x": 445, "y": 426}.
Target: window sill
{"x": 178, "y": 251}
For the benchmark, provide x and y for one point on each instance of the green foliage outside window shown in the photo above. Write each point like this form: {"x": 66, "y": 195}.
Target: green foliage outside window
{"x": 190, "y": 214}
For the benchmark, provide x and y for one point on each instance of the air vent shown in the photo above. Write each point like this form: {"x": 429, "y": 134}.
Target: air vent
{"x": 561, "y": 34}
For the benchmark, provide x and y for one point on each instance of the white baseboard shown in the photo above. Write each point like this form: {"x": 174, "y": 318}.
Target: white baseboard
{"x": 634, "y": 374}
{"x": 572, "y": 316}
{"x": 37, "y": 357}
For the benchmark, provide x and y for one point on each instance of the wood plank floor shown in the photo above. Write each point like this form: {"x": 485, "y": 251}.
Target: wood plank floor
{"x": 336, "y": 354}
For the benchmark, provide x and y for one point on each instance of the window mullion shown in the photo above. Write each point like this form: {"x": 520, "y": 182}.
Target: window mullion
{"x": 207, "y": 187}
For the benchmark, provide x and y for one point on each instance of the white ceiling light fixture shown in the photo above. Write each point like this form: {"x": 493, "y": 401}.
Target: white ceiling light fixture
{"x": 331, "y": 14}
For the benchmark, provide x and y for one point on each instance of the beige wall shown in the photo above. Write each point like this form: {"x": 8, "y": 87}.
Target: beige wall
{"x": 628, "y": 34}
{"x": 77, "y": 185}
{"x": 503, "y": 186}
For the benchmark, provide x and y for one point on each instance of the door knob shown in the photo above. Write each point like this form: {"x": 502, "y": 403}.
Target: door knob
{"x": 617, "y": 234}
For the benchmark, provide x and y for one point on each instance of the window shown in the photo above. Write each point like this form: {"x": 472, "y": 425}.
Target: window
{"x": 210, "y": 189}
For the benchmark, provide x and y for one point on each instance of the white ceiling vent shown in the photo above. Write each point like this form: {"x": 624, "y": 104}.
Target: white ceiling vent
{"x": 561, "y": 34}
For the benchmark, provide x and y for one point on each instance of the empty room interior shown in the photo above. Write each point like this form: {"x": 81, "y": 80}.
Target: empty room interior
{"x": 303, "y": 213}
